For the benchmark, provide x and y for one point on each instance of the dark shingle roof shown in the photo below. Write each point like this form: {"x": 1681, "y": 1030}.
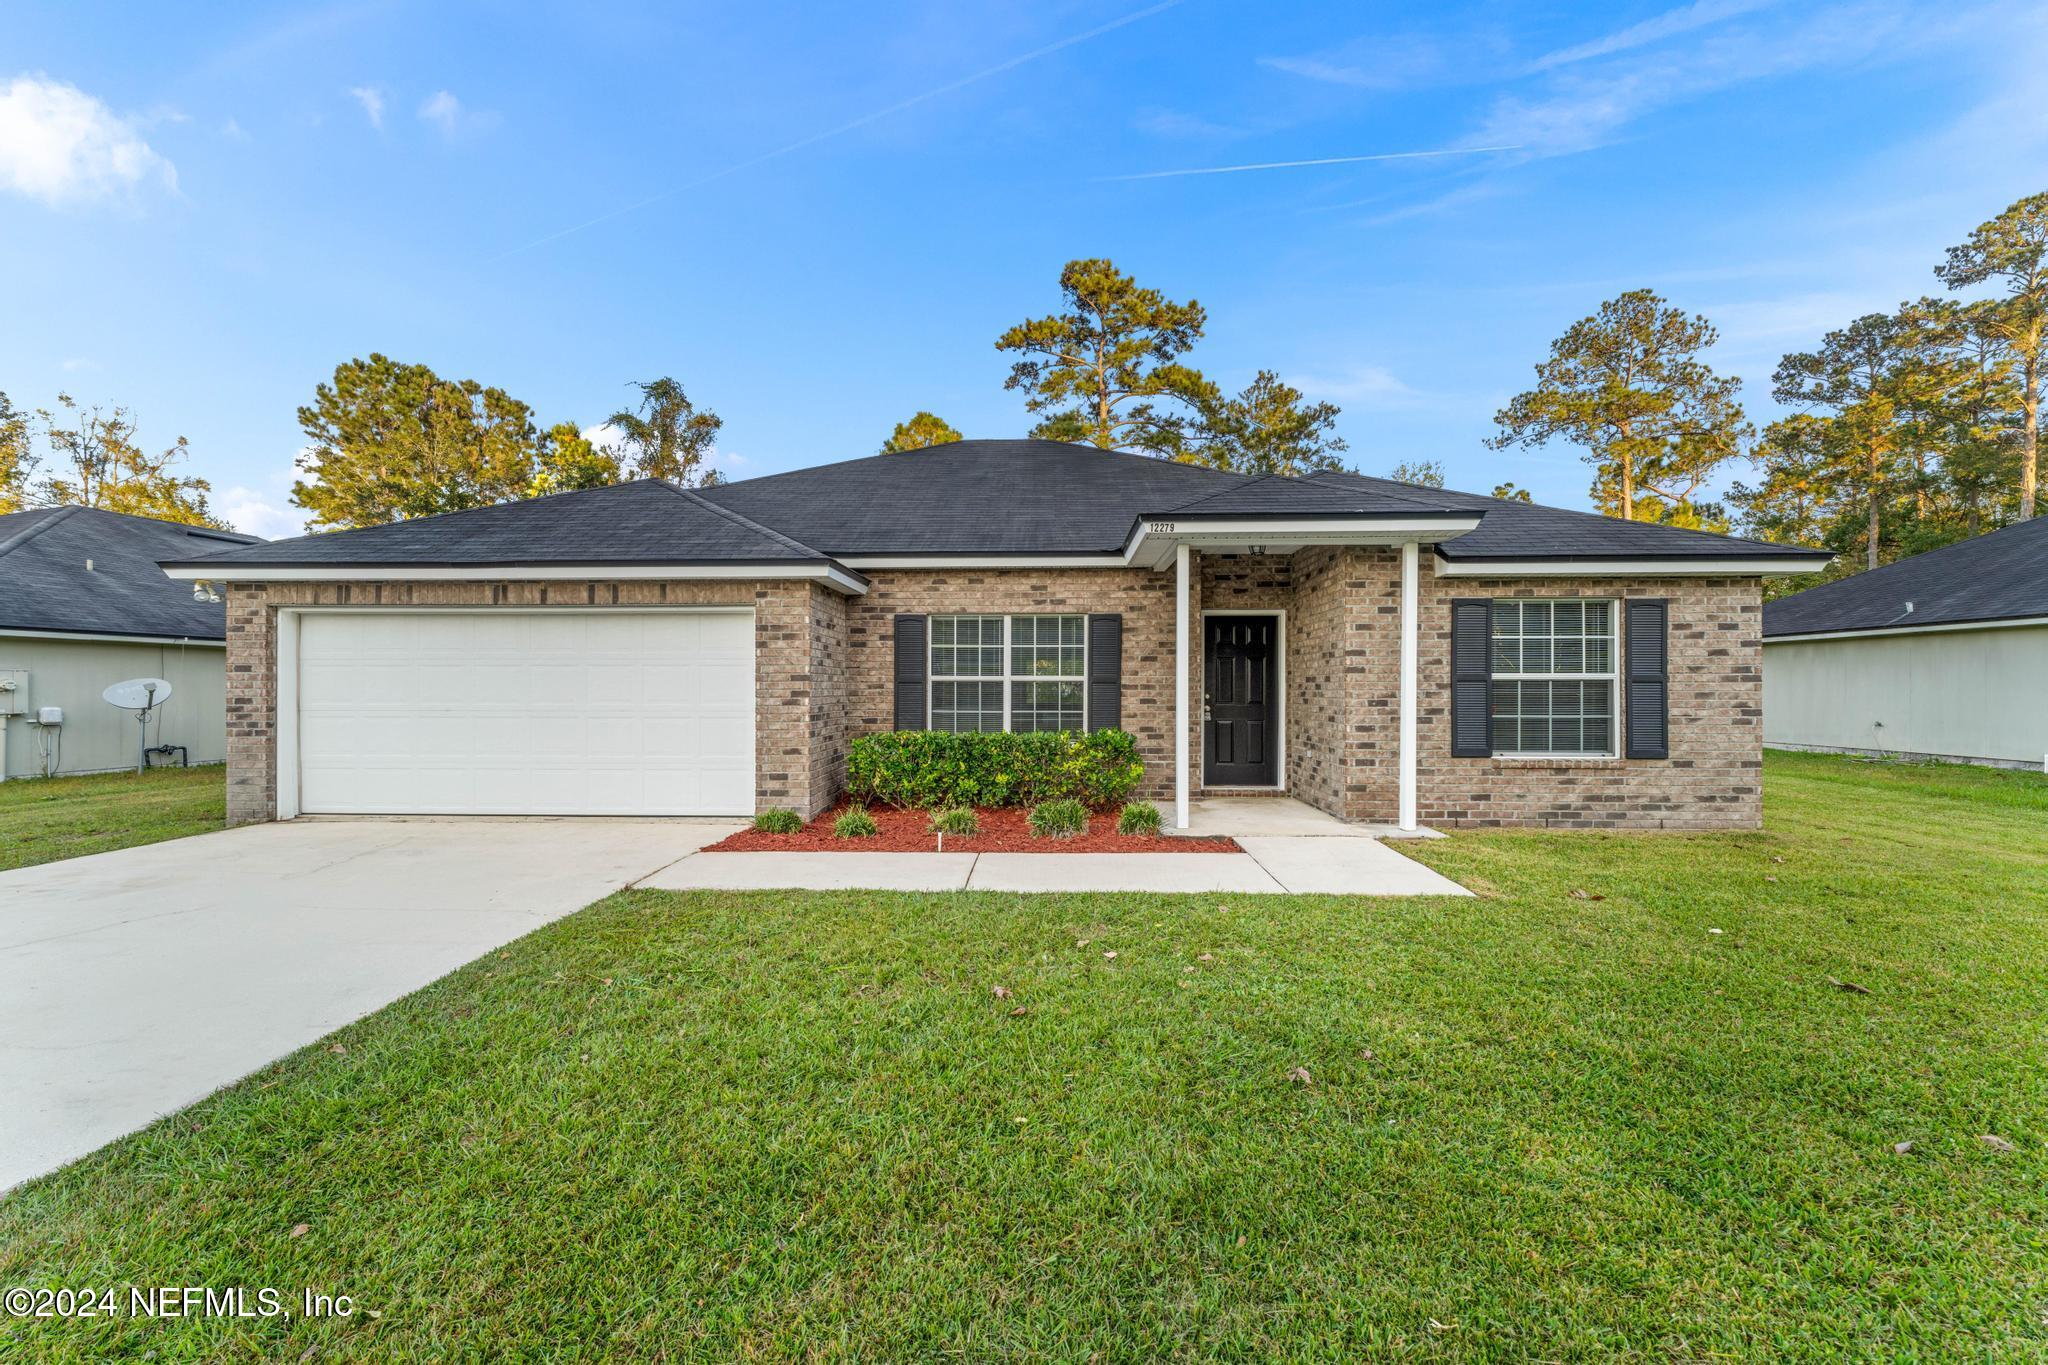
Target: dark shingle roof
{"x": 1511, "y": 529}
{"x": 642, "y": 522}
{"x": 1998, "y": 577}
{"x": 1275, "y": 495}
{"x": 966, "y": 498}
{"x": 45, "y": 585}
{"x": 973, "y": 497}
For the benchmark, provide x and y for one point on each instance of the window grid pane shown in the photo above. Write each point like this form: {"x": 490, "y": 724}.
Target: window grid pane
{"x": 1572, "y": 714}
{"x": 965, "y": 648}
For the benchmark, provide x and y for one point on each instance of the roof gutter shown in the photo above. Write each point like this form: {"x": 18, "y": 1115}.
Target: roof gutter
{"x": 832, "y": 573}
{"x": 1932, "y": 627}
{"x": 1708, "y": 566}
{"x": 110, "y": 637}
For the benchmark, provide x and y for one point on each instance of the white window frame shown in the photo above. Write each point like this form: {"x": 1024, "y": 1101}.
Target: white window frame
{"x": 1612, "y": 677}
{"x": 932, "y": 677}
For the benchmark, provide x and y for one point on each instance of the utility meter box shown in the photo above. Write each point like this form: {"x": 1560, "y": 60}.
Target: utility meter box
{"x": 13, "y": 691}
{"x": 50, "y": 715}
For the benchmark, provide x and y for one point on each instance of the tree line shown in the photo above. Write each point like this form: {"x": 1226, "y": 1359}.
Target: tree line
{"x": 1909, "y": 429}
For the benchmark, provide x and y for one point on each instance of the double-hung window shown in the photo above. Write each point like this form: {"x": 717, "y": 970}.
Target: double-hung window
{"x": 1554, "y": 677}
{"x": 1008, "y": 672}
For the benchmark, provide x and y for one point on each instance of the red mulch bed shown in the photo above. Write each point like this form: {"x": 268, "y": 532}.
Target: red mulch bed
{"x": 1002, "y": 831}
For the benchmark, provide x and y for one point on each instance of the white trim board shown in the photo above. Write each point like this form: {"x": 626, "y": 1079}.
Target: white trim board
{"x": 1620, "y": 568}
{"x": 515, "y": 573}
{"x": 99, "y": 637}
{"x": 1932, "y": 628}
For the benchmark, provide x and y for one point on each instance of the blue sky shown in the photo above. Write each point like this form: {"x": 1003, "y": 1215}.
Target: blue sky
{"x": 819, "y": 218}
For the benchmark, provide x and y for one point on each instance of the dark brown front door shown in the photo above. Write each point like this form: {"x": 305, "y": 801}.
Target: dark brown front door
{"x": 1240, "y": 711}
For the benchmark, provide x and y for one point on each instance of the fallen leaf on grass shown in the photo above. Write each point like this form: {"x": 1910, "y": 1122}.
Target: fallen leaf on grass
{"x": 1776, "y": 859}
{"x": 1901, "y": 1148}
{"x": 301, "y": 1229}
{"x": 1770, "y": 878}
{"x": 338, "y": 1050}
{"x": 1995, "y": 1142}
{"x": 1436, "y": 1326}
{"x": 1206, "y": 957}
{"x": 1579, "y": 895}
{"x": 1365, "y": 1054}
{"x": 1018, "y": 1012}
{"x": 1848, "y": 986}
{"x": 1000, "y": 992}
{"x": 1110, "y": 955}
{"x": 1717, "y": 931}
{"x": 1300, "y": 1076}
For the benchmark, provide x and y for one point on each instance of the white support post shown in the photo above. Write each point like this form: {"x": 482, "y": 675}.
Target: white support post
{"x": 1411, "y": 573}
{"x": 1181, "y": 561}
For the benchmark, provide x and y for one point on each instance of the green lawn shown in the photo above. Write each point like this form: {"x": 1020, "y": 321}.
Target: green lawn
{"x": 1563, "y": 1121}
{"x": 43, "y": 819}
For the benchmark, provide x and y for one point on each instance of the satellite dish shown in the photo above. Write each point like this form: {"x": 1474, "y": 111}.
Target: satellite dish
{"x": 139, "y": 694}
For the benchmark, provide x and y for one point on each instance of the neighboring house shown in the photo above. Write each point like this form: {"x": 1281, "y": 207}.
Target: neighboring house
{"x": 84, "y": 605}
{"x": 1944, "y": 655}
{"x": 1389, "y": 653}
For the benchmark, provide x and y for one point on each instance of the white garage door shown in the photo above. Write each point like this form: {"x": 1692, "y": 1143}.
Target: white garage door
{"x": 558, "y": 712}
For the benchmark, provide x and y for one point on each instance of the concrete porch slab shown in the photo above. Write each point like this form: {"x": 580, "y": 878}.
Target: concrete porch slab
{"x": 1345, "y": 867}
{"x": 817, "y": 872}
{"x": 1258, "y": 816}
{"x": 1157, "y": 872}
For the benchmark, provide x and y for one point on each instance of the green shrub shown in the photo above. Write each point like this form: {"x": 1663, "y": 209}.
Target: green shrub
{"x": 1059, "y": 819}
{"x": 776, "y": 820}
{"x": 956, "y": 820}
{"x": 855, "y": 824}
{"x": 934, "y": 770}
{"x": 1139, "y": 817}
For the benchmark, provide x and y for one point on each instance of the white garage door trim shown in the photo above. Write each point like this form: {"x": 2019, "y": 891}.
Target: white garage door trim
{"x": 287, "y": 738}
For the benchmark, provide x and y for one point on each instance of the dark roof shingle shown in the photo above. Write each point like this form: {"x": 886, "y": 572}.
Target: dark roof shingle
{"x": 642, "y": 522}
{"x": 43, "y": 558}
{"x": 2002, "y": 576}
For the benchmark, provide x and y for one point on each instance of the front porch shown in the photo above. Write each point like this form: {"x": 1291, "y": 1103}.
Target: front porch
{"x": 1281, "y": 816}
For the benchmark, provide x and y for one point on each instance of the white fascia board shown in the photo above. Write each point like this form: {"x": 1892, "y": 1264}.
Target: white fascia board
{"x": 101, "y": 637}
{"x": 1168, "y": 531}
{"x": 512, "y": 573}
{"x": 1622, "y": 568}
{"x": 866, "y": 562}
{"x": 1933, "y": 628}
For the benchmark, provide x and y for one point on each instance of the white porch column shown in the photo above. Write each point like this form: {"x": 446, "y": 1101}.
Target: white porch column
{"x": 1411, "y": 575}
{"x": 1181, "y": 558}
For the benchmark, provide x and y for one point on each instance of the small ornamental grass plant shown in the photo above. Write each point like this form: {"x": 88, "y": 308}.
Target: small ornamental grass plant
{"x": 1059, "y": 819}
{"x": 855, "y": 824}
{"x": 1139, "y": 817}
{"x": 956, "y": 820}
{"x": 777, "y": 820}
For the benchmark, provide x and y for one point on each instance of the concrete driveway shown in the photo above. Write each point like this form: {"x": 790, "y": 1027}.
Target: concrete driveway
{"x": 133, "y": 983}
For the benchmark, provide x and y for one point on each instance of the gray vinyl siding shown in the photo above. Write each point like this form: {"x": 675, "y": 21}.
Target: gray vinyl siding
{"x": 1972, "y": 695}
{"x": 99, "y": 737}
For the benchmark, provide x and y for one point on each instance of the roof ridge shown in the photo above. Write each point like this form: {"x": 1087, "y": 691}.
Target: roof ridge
{"x": 28, "y": 533}
{"x": 738, "y": 519}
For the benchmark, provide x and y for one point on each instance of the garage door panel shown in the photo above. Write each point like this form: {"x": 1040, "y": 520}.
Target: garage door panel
{"x": 516, "y": 712}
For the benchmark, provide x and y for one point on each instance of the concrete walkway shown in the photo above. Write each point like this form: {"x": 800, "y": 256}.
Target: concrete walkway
{"x": 133, "y": 983}
{"x": 1271, "y": 864}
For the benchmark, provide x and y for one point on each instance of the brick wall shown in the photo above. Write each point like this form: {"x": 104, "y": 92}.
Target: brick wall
{"x": 825, "y": 669}
{"x": 799, "y": 641}
{"x": 1144, "y": 598}
{"x": 1343, "y": 699}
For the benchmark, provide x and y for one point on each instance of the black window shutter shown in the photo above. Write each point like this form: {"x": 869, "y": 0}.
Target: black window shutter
{"x": 1649, "y": 681}
{"x": 1471, "y": 677}
{"x": 911, "y": 661}
{"x": 1106, "y": 672}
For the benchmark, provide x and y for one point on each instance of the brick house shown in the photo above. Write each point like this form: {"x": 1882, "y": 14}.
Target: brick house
{"x": 1386, "y": 652}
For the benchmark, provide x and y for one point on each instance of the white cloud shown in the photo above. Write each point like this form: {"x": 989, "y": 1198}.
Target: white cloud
{"x": 233, "y": 131}
{"x": 60, "y": 145}
{"x": 259, "y": 513}
{"x": 1365, "y": 385}
{"x": 452, "y": 117}
{"x": 1669, "y": 24}
{"x": 372, "y": 100}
